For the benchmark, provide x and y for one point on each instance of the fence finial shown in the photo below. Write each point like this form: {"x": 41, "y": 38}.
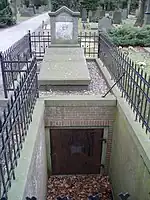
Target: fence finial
{"x": 96, "y": 197}
{"x": 32, "y": 198}
{"x": 124, "y": 196}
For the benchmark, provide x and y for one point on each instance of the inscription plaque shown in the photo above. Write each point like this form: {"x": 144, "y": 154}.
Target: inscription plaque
{"x": 64, "y": 30}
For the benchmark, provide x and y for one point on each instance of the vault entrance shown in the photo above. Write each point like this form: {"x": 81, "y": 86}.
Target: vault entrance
{"x": 76, "y": 151}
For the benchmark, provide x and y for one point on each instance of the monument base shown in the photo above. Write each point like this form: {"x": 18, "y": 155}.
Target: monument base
{"x": 64, "y": 66}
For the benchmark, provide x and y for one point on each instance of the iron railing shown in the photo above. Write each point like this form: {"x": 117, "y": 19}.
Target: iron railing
{"x": 19, "y": 48}
{"x": 134, "y": 84}
{"x": 14, "y": 124}
{"x": 13, "y": 68}
{"x": 42, "y": 40}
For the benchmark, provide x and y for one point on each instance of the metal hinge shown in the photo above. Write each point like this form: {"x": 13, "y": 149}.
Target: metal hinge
{"x": 103, "y": 140}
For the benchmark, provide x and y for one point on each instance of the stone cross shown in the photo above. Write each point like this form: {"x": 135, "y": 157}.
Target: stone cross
{"x": 64, "y": 26}
{"x": 124, "y": 196}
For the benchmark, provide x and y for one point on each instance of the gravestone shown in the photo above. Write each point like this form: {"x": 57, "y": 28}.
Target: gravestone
{"x": 64, "y": 26}
{"x": 117, "y": 17}
{"x": 90, "y": 16}
{"x": 97, "y": 14}
{"x": 124, "y": 14}
{"x": 102, "y": 13}
{"x": 105, "y": 24}
{"x": 84, "y": 15}
{"x": 136, "y": 12}
{"x": 93, "y": 16}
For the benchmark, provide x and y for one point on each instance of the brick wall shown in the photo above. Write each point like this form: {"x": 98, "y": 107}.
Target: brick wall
{"x": 82, "y": 116}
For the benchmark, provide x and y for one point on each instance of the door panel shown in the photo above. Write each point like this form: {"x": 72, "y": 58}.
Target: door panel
{"x": 76, "y": 151}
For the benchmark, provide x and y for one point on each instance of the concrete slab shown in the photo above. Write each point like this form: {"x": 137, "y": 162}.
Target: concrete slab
{"x": 64, "y": 66}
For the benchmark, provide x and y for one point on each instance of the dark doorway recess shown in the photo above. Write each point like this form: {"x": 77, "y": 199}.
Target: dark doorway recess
{"x": 76, "y": 151}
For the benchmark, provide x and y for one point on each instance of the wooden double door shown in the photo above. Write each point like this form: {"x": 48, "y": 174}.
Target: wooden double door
{"x": 76, "y": 151}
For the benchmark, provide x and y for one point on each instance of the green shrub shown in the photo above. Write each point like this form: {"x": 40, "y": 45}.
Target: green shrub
{"x": 130, "y": 36}
{"x": 6, "y": 15}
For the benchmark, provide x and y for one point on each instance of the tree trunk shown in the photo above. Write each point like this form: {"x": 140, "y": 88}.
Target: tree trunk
{"x": 140, "y": 17}
{"x": 129, "y": 6}
{"x": 147, "y": 16}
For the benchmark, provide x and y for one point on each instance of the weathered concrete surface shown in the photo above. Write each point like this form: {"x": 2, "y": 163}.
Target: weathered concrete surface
{"x": 64, "y": 66}
{"x": 130, "y": 160}
{"x": 31, "y": 172}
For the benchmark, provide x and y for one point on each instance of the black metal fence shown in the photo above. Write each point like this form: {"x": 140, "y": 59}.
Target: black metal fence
{"x": 14, "y": 123}
{"x": 134, "y": 84}
{"x": 89, "y": 41}
{"x": 42, "y": 40}
{"x": 13, "y": 68}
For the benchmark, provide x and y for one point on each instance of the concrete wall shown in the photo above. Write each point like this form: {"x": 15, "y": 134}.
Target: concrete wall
{"x": 130, "y": 160}
{"x": 128, "y": 170}
{"x": 31, "y": 172}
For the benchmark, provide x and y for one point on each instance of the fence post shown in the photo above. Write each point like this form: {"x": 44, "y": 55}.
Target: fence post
{"x": 3, "y": 74}
{"x": 99, "y": 39}
{"x": 30, "y": 45}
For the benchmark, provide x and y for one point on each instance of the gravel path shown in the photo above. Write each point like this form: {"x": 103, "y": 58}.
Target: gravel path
{"x": 97, "y": 85}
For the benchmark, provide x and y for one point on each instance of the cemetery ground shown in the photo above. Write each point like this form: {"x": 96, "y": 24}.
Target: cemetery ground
{"x": 140, "y": 56}
{"x": 82, "y": 186}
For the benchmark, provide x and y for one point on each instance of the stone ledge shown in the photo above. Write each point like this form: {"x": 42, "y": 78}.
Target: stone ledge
{"x": 79, "y": 100}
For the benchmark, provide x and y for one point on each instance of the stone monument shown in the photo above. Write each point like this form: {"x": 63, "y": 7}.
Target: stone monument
{"x": 117, "y": 17}
{"x": 64, "y": 26}
{"x": 105, "y": 24}
{"x": 90, "y": 16}
{"x": 84, "y": 15}
{"x": 124, "y": 14}
{"x": 64, "y": 61}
